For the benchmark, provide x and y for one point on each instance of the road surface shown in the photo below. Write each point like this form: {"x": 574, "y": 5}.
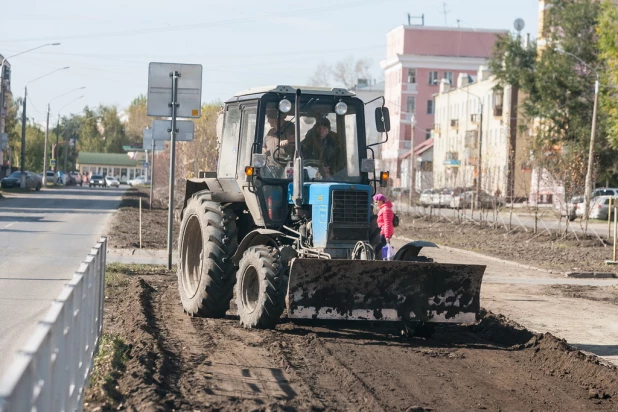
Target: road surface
{"x": 43, "y": 238}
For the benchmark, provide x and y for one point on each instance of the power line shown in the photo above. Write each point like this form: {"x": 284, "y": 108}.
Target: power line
{"x": 191, "y": 26}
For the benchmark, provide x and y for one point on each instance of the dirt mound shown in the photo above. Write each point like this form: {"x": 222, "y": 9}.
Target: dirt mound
{"x": 175, "y": 362}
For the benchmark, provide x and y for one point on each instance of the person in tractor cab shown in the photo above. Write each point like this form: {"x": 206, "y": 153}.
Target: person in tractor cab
{"x": 322, "y": 144}
{"x": 280, "y": 135}
{"x": 385, "y": 221}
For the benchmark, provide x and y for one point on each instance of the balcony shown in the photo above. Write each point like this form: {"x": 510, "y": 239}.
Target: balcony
{"x": 408, "y": 88}
{"x": 455, "y": 123}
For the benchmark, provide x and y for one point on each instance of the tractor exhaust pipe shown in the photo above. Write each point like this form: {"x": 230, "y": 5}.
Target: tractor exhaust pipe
{"x": 297, "y": 194}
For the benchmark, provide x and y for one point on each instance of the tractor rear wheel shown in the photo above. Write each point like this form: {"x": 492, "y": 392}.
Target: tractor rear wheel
{"x": 207, "y": 241}
{"x": 260, "y": 287}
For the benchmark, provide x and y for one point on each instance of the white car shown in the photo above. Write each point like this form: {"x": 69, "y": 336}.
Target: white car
{"x": 138, "y": 181}
{"x": 110, "y": 181}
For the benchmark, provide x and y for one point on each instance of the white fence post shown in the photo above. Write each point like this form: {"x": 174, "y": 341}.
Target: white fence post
{"x": 54, "y": 367}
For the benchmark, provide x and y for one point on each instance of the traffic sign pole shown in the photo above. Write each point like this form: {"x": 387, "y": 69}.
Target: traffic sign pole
{"x": 170, "y": 214}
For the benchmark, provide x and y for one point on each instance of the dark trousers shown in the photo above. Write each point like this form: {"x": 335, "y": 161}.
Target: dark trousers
{"x": 379, "y": 247}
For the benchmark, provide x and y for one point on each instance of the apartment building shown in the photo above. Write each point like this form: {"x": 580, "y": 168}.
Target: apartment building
{"x": 417, "y": 59}
{"x": 476, "y": 113}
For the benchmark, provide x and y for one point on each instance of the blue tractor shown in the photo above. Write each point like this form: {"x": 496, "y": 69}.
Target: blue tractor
{"x": 286, "y": 222}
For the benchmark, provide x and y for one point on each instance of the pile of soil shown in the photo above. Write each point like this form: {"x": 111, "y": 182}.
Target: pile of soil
{"x": 175, "y": 362}
{"x": 539, "y": 250}
{"x": 124, "y": 228}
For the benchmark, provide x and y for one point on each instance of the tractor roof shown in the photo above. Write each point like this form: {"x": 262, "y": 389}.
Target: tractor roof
{"x": 331, "y": 91}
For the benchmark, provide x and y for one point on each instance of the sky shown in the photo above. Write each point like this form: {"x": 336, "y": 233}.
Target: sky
{"x": 240, "y": 43}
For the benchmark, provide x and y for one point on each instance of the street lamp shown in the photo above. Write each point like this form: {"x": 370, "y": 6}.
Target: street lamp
{"x": 58, "y": 126}
{"x": 588, "y": 182}
{"x": 2, "y": 74}
{"x": 47, "y": 133}
{"x": 23, "y": 126}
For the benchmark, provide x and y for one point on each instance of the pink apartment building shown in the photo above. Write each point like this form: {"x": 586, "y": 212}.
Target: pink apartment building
{"x": 417, "y": 58}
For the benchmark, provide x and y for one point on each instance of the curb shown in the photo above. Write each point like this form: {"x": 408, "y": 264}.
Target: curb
{"x": 591, "y": 275}
{"x": 481, "y": 256}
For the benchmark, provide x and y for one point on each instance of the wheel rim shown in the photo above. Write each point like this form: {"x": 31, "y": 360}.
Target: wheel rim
{"x": 192, "y": 245}
{"x": 250, "y": 288}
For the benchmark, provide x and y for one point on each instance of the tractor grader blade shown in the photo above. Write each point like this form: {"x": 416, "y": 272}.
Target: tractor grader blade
{"x": 384, "y": 290}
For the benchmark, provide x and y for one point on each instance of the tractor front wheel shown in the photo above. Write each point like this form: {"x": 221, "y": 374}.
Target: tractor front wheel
{"x": 207, "y": 241}
{"x": 260, "y": 287}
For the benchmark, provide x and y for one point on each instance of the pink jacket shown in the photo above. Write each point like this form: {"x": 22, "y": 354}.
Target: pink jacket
{"x": 385, "y": 220}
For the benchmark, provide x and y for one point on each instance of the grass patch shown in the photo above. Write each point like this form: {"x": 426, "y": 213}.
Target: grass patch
{"x": 133, "y": 269}
{"x": 109, "y": 365}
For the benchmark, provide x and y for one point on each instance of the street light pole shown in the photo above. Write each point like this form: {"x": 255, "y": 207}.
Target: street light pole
{"x": 23, "y": 127}
{"x": 2, "y": 74}
{"x": 47, "y": 133}
{"x": 588, "y": 181}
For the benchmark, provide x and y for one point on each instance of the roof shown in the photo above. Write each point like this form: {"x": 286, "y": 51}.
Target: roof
{"x": 332, "y": 91}
{"x": 418, "y": 150}
{"x": 109, "y": 159}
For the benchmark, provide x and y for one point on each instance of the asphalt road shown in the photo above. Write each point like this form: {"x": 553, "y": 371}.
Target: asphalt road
{"x": 43, "y": 238}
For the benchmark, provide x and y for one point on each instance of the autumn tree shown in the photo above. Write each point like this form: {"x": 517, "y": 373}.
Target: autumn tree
{"x": 344, "y": 73}
{"x": 138, "y": 118}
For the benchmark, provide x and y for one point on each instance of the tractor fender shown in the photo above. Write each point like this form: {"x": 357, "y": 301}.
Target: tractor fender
{"x": 410, "y": 250}
{"x": 256, "y": 237}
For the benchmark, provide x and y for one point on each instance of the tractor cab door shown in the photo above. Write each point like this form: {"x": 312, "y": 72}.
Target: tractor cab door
{"x": 228, "y": 155}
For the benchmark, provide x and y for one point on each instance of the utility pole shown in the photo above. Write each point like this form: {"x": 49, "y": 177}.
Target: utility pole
{"x": 22, "y": 161}
{"x": 45, "y": 149}
{"x": 588, "y": 188}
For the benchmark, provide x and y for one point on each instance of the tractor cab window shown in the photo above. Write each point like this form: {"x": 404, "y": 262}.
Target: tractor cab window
{"x": 329, "y": 142}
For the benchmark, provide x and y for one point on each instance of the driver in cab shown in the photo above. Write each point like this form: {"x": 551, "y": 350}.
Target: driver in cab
{"x": 279, "y": 139}
{"x": 322, "y": 144}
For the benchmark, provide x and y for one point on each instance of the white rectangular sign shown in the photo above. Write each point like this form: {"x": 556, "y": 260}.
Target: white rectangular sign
{"x": 160, "y": 89}
{"x": 184, "y": 130}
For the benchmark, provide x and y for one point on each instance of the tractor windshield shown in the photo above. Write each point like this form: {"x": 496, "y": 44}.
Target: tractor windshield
{"x": 329, "y": 142}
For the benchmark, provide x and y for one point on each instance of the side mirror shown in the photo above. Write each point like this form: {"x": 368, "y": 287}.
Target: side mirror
{"x": 383, "y": 120}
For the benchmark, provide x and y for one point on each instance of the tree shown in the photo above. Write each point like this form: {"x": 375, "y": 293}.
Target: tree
{"x": 608, "y": 52}
{"x": 558, "y": 88}
{"x": 113, "y": 129}
{"x": 344, "y": 73}
{"x": 138, "y": 118}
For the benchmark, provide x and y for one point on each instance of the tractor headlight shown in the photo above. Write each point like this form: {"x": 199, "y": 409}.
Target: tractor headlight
{"x": 368, "y": 165}
{"x": 259, "y": 160}
{"x": 285, "y": 106}
{"x": 341, "y": 108}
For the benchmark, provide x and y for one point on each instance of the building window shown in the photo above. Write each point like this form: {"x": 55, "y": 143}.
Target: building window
{"x": 430, "y": 106}
{"x": 427, "y": 134}
{"x": 433, "y": 77}
{"x": 411, "y": 104}
{"x": 448, "y": 76}
{"x": 412, "y": 76}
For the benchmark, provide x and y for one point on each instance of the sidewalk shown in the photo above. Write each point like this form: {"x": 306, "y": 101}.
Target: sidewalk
{"x": 533, "y": 298}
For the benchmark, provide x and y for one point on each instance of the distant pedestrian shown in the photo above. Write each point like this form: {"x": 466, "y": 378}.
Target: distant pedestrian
{"x": 385, "y": 221}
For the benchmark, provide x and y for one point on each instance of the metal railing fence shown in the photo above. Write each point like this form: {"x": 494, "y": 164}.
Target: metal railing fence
{"x": 52, "y": 370}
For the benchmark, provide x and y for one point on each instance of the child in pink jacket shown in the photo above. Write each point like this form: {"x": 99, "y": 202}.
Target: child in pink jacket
{"x": 385, "y": 221}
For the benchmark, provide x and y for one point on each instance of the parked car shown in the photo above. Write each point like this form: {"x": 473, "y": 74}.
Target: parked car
{"x": 605, "y": 191}
{"x": 33, "y": 181}
{"x": 426, "y": 196}
{"x": 569, "y": 210}
{"x": 464, "y": 200}
{"x": 140, "y": 180}
{"x": 599, "y": 207}
{"x": 110, "y": 181}
{"x": 397, "y": 193}
{"x": 96, "y": 180}
{"x": 75, "y": 178}
{"x": 441, "y": 197}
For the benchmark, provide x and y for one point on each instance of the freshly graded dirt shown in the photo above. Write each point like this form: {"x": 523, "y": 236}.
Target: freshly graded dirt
{"x": 124, "y": 229}
{"x": 176, "y": 362}
{"x": 559, "y": 255}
